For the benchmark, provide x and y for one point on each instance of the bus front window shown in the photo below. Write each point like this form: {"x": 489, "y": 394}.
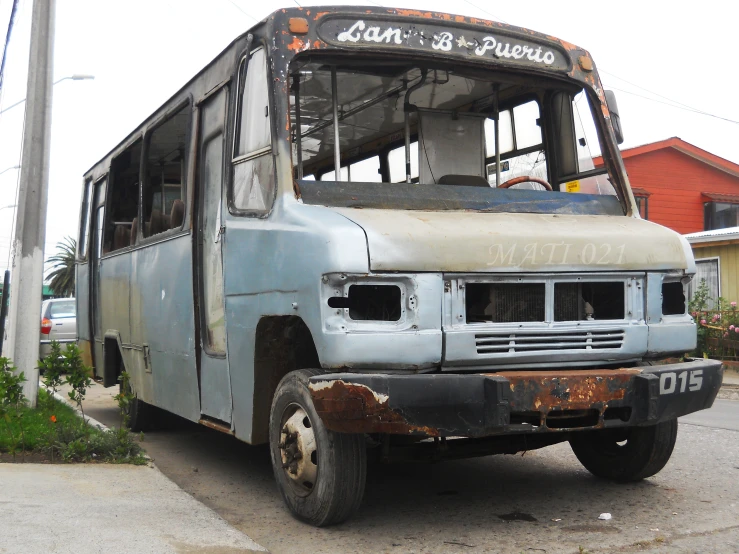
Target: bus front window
{"x": 401, "y": 123}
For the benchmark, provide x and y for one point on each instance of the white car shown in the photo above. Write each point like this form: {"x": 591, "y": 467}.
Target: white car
{"x": 58, "y": 322}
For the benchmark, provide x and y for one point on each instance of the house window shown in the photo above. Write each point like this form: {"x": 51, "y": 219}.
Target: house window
{"x": 643, "y": 206}
{"x": 720, "y": 215}
{"x": 707, "y": 269}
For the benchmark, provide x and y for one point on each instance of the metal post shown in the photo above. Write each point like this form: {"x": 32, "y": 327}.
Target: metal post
{"x": 164, "y": 198}
{"x": 337, "y": 147}
{"x": 30, "y": 229}
{"x": 298, "y": 126}
{"x": 496, "y": 112}
{"x": 407, "y": 146}
{"x": 4, "y": 307}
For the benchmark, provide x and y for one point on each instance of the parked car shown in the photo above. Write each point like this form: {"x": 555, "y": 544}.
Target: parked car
{"x": 58, "y": 322}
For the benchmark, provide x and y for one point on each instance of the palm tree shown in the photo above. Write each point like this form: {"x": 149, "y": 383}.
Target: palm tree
{"x": 61, "y": 278}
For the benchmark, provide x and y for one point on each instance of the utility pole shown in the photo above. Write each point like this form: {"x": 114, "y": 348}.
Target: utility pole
{"x": 30, "y": 228}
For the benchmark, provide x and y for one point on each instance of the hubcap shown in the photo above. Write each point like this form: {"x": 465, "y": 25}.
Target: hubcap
{"x": 298, "y": 450}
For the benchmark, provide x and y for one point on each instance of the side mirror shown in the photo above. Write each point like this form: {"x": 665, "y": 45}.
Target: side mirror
{"x": 615, "y": 118}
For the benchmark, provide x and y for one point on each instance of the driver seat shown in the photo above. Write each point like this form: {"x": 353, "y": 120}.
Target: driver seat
{"x": 464, "y": 180}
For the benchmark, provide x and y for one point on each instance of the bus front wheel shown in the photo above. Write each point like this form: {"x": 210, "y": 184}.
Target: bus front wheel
{"x": 626, "y": 455}
{"x": 320, "y": 474}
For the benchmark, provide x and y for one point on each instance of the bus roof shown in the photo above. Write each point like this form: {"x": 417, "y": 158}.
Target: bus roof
{"x": 383, "y": 30}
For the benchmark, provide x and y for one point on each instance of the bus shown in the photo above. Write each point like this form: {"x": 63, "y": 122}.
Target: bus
{"x": 364, "y": 232}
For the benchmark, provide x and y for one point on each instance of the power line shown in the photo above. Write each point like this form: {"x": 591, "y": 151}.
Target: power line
{"x": 685, "y": 106}
{"x": 7, "y": 41}
{"x": 487, "y": 12}
{"x": 235, "y": 5}
{"x": 674, "y": 105}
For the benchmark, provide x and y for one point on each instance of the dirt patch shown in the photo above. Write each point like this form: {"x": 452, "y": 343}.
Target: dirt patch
{"x": 728, "y": 392}
{"x": 31, "y": 458}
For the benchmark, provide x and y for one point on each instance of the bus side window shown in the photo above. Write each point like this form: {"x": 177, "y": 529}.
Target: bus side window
{"x": 124, "y": 198}
{"x": 253, "y": 167}
{"x": 163, "y": 197}
{"x": 396, "y": 162}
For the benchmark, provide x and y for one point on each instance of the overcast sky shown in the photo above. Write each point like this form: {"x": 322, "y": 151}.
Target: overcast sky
{"x": 142, "y": 51}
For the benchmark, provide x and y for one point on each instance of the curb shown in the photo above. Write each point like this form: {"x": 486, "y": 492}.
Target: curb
{"x": 92, "y": 421}
{"x": 88, "y": 419}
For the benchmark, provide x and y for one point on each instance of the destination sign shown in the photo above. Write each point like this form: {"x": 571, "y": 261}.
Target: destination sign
{"x": 442, "y": 39}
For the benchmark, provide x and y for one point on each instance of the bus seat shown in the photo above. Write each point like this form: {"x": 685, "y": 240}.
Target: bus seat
{"x": 158, "y": 222}
{"x": 464, "y": 181}
{"x": 121, "y": 237}
{"x": 134, "y": 230}
{"x": 177, "y": 215}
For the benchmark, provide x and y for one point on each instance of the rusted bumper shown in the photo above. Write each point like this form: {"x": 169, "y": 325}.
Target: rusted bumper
{"x": 477, "y": 405}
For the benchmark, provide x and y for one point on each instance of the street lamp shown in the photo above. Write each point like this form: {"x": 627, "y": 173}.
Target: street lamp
{"x": 9, "y": 206}
{"x": 75, "y": 77}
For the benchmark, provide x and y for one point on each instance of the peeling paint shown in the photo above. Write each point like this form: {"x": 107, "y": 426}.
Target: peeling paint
{"x": 355, "y": 408}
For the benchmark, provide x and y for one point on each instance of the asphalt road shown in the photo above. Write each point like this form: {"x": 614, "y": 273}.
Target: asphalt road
{"x": 541, "y": 502}
{"x": 723, "y": 415}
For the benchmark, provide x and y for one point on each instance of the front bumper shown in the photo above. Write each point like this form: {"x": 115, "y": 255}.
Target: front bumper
{"x": 512, "y": 402}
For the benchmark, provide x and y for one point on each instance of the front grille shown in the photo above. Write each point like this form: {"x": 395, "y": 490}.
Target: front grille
{"x": 540, "y": 341}
{"x": 567, "y": 302}
{"x": 505, "y": 302}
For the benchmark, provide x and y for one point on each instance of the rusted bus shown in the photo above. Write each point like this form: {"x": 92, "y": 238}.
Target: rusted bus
{"x": 300, "y": 242}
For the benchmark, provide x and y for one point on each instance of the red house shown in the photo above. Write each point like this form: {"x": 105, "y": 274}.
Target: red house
{"x": 683, "y": 187}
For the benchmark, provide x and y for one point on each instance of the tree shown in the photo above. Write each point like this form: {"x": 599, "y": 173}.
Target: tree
{"x": 61, "y": 278}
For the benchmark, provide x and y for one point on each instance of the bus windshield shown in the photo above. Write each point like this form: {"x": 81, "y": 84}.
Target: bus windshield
{"x": 444, "y": 128}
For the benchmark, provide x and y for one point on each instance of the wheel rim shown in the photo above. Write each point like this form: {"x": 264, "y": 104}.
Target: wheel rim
{"x": 298, "y": 451}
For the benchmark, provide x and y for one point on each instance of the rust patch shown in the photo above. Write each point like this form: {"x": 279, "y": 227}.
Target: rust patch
{"x": 572, "y": 390}
{"x": 216, "y": 426}
{"x": 351, "y": 408}
{"x": 297, "y": 45}
{"x": 414, "y": 13}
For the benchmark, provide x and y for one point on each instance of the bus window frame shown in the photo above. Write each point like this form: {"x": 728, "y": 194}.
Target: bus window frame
{"x": 85, "y": 216}
{"x": 110, "y": 186}
{"x": 143, "y": 181}
{"x": 543, "y": 123}
{"x": 253, "y": 44}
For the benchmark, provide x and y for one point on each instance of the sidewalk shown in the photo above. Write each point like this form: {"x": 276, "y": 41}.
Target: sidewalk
{"x": 731, "y": 377}
{"x": 83, "y": 508}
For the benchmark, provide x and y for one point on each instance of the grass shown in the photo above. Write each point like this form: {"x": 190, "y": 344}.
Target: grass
{"x": 67, "y": 438}
{"x": 35, "y": 423}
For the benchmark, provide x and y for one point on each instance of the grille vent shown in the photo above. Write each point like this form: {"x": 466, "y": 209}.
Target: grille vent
{"x": 507, "y": 342}
{"x": 506, "y": 302}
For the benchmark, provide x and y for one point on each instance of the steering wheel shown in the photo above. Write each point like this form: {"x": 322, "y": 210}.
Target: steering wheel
{"x": 525, "y": 179}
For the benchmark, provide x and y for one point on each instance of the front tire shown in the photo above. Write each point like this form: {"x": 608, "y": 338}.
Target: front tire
{"x": 320, "y": 474}
{"x": 626, "y": 455}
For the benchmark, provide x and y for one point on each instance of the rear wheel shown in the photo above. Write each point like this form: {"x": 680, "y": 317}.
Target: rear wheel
{"x": 629, "y": 454}
{"x": 320, "y": 474}
{"x": 141, "y": 416}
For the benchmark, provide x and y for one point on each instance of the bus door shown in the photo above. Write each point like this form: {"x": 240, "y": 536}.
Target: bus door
{"x": 95, "y": 251}
{"x": 215, "y": 384}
